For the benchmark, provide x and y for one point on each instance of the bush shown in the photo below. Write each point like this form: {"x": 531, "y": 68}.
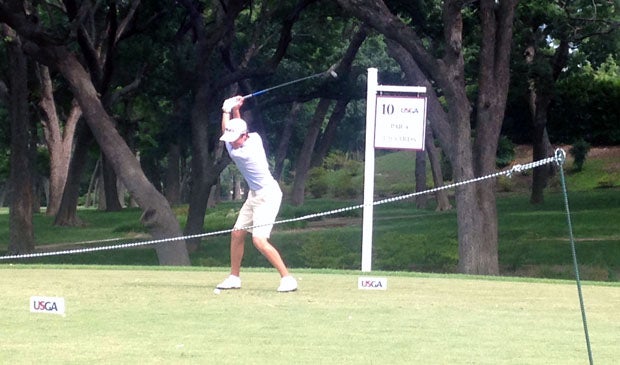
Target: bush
{"x": 505, "y": 152}
{"x": 505, "y": 184}
{"x": 317, "y": 182}
{"x": 606, "y": 182}
{"x": 344, "y": 186}
{"x": 398, "y": 251}
{"x": 579, "y": 151}
{"x": 328, "y": 251}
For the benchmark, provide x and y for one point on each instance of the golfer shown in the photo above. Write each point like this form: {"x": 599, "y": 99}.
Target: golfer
{"x": 263, "y": 201}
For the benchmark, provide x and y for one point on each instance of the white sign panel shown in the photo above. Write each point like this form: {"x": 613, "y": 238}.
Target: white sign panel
{"x": 371, "y": 283}
{"x": 53, "y": 305}
{"x": 400, "y": 122}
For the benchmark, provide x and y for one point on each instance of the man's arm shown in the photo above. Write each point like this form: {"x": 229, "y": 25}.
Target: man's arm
{"x": 231, "y": 105}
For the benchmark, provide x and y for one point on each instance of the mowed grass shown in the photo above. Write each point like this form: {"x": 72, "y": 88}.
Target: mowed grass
{"x": 127, "y": 315}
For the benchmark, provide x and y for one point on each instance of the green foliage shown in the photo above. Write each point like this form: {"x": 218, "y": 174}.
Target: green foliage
{"x": 317, "y": 183}
{"x": 414, "y": 252}
{"x": 328, "y": 252}
{"x": 505, "y": 184}
{"x": 579, "y": 151}
{"x": 586, "y": 106}
{"x": 344, "y": 185}
{"x": 338, "y": 177}
{"x": 505, "y": 152}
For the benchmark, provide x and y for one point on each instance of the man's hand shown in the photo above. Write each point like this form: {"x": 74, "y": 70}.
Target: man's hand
{"x": 232, "y": 103}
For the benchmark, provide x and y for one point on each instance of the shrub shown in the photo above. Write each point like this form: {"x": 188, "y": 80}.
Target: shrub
{"x": 344, "y": 186}
{"x": 317, "y": 182}
{"x": 327, "y": 252}
{"x": 606, "y": 182}
{"x": 579, "y": 151}
{"x": 397, "y": 251}
{"x": 505, "y": 184}
{"x": 505, "y": 152}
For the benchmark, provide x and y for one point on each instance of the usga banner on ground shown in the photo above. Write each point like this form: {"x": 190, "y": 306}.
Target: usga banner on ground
{"x": 53, "y": 305}
{"x": 371, "y": 283}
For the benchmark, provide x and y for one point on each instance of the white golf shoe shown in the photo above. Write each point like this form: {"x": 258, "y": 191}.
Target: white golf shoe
{"x": 231, "y": 282}
{"x": 287, "y": 284}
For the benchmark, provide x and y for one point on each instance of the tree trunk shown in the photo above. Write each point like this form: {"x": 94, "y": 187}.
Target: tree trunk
{"x": 420, "y": 179}
{"x": 437, "y": 119}
{"x": 327, "y": 139}
{"x": 110, "y": 187}
{"x": 305, "y": 154}
{"x": 173, "y": 175}
{"x": 285, "y": 138}
{"x": 67, "y": 211}
{"x": 542, "y": 87}
{"x": 434, "y": 157}
{"x": 21, "y": 238}
{"x": 59, "y": 139}
{"x": 157, "y": 215}
{"x": 541, "y": 148}
{"x": 201, "y": 163}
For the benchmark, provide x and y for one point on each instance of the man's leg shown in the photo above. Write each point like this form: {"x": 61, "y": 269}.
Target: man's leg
{"x": 287, "y": 282}
{"x": 237, "y": 241}
{"x": 273, "y": 256}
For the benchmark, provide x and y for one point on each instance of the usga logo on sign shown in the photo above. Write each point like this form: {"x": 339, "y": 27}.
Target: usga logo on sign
{"x": 52, "y": 305}
{"x": 368, "y": 283}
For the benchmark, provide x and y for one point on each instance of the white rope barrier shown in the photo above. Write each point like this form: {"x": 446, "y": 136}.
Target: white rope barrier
{"x": 558, "y": 158}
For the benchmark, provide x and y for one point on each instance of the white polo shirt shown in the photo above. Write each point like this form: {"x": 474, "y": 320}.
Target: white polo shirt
{"x": 251, "y": 160}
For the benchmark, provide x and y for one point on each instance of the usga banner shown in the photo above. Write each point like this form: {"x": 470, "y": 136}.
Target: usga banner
{"x": 371, "y": 283}
{"x": 53, "y": 305}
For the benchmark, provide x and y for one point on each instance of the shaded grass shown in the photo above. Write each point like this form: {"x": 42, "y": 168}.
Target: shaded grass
{"x": 161, "y": 315}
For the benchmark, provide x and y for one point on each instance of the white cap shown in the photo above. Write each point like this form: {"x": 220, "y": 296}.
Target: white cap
{"x": 234, "y": 129}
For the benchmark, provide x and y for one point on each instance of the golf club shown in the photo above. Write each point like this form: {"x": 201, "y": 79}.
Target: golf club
{"x": 329, "y": 72}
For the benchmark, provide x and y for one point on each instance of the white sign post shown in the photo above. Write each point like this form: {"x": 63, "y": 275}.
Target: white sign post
{"x": 395, "y": 118}
{"x": 369, "y": 170}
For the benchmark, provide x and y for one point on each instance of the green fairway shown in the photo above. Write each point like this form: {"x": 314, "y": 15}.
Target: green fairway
{"x": 129, "y": 315}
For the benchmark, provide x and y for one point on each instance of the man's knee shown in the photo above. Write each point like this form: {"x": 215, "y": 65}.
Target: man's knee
{"x": 260, "y": 243}
{"x": 238, "y": 236}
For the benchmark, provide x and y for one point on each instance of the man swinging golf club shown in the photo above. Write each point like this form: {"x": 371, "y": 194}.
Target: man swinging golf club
{"x": 263, "y": 201}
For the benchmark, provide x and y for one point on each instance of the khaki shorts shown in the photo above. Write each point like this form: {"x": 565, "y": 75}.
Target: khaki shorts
{"x": 260, "y": 210}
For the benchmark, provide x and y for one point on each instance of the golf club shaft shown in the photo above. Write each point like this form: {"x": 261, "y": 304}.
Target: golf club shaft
{"x": 257, "y": 93}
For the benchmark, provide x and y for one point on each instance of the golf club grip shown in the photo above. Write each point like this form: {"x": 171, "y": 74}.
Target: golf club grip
{"x": 255, "y": 94}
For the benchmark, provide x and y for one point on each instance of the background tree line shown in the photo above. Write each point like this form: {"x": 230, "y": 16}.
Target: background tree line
{"x": 129, "y": 92}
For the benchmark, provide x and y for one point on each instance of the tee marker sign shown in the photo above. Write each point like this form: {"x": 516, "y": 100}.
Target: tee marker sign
{"x": 400, "y": 122}
{"x": 395, "y": 119}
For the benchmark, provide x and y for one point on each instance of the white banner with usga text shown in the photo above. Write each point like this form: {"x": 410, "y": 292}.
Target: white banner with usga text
{"x": 53, "y": 305}
{"x": 371, "y": 283}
